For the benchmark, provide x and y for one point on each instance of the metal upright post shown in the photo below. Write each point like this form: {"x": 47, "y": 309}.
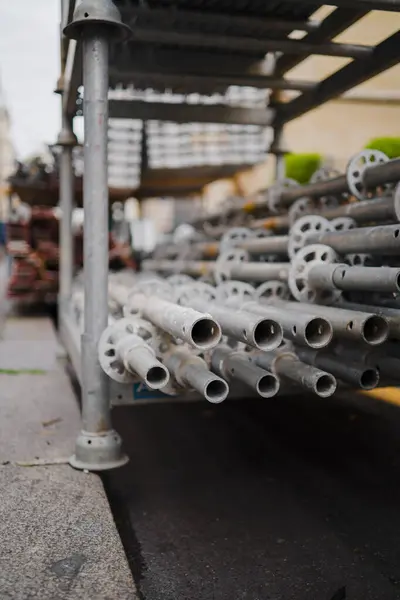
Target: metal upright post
{"x": 279, "y": 152}
{"x": 66, "y": 140}
{"x": 60, "y": 82}
{"x": 95, "y": 22}
{"x": 277, "y": 147}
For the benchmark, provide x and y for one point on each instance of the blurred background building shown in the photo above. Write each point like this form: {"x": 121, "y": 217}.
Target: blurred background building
{"x": 7, "y": 154}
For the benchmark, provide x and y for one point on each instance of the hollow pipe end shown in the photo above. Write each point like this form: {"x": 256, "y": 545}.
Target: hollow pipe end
{"x": 268, "y": 385}
{"x": 216, "y": 391}
{"x": 325, "y": 385}
{"x": 375, "y": 330}
{"x": 98, "y": 452}
{"x": 369, "y": 379}
{"x": 205, "y": 333}
{"x": 267, "y": 335}
{"x": 157, "y": 377}
{"x": 318, "y": 333}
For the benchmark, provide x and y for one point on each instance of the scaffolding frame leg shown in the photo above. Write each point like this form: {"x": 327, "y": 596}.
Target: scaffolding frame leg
{"x": 67, "y": 141}
{"x": 98, "y": 446}
{"x": 279, "y": 152}
{"x": 278, "y": 146}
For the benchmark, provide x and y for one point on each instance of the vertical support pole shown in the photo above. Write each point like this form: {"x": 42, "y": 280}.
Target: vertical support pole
{"x": 98, "y": 446}
{"x": 95, "y": 408}
{"x": 63, "y": 45}
{"x": 67, "y": 141}
{"x": 277, "y": 150}
{"x": 277, "y": 146}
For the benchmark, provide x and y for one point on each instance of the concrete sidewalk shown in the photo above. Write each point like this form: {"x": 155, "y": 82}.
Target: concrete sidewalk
{"x": 58, "y": 539}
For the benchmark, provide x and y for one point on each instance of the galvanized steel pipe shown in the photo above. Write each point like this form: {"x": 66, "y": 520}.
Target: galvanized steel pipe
{"x": 355, "y": 326}
{"x": 391, "y": 315}
{"x": 259, "y": 332}
{"x": 308, "y": 330}
{"x": 258, "y": 272}
{"x": 373, "y": 177}
{"x": 382, "y": 240}
{"x": 277, "y": 244}
{"x": 192, "y": 268}
{"x": 352, "y": 372}
{"x": 366, "y": 211}
{"x": 388, "y": 366}
{"x": 198, "y": 329}
{"x": 236, "y": 365}
{"x": 247, "y": 271}
{"x": 139, "y": 359}
{"x": 280, "y": 223}
{"x": 288, "y": 366}
{"x": 95, "y": 405}
{"x": 362, "y": 279}
{"x": 98, "y": 446}
{"x": 66, "y": 235}
{"x": 192, "y": 371}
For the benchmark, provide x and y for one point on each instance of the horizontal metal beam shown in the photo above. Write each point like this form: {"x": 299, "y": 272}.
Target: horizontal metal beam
{"x": 385, "y": 55}
{"x": 145, "y": 192}
{"x": 186, "y": 113}
{"x": 204, "y": 83}
{"x": 372, "y": 97}
{"x": 247, "y": 44}
{"x": 223, "y": 21}
{"x": 192, "y": 61}
{"x": 391, "y": 5}
{"x": 334, "y": 24}
{"x": 184, "y": 181}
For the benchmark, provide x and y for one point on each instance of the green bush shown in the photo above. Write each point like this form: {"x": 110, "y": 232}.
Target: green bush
{"x": 301, "y": 166}
{"x": 389, "y": 145}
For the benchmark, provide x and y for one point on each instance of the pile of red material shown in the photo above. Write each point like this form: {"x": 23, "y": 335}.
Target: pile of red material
{"x": 32, "y": 243}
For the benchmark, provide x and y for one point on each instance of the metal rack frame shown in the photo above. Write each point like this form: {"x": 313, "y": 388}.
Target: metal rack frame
{"x": 173, "y": 48}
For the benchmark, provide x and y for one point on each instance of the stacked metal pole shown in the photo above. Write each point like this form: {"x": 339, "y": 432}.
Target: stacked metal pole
{"x": 340, "y": 241}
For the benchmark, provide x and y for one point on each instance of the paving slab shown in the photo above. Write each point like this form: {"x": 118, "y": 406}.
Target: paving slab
{"x": 58, "y": 537}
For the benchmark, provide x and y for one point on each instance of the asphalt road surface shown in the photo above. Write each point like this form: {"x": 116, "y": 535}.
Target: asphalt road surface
{"x": 284, "y": 499}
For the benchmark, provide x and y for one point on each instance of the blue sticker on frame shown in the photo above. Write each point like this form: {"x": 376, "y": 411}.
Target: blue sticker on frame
{"x": 142, "y": 392}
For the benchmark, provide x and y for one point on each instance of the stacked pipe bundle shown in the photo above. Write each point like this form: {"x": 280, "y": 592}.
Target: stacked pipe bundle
{"x": 32, "y": 242}
{"x": 297, "y": 288}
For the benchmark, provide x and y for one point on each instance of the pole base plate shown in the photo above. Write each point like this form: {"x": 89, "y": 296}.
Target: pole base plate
{"x": 98, "y": 452}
